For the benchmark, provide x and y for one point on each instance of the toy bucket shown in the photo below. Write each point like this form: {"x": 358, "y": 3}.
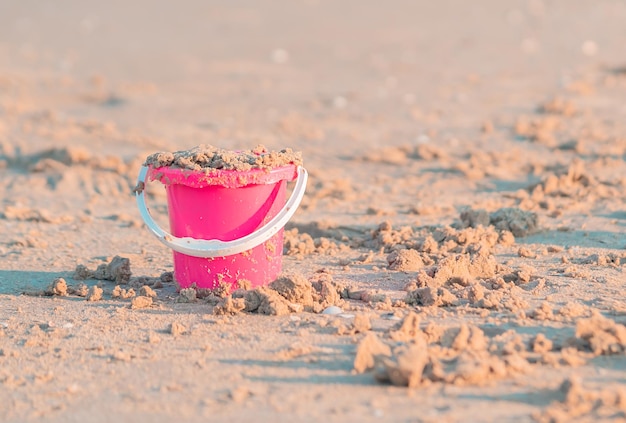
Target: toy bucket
{"x": 226, "y": 225}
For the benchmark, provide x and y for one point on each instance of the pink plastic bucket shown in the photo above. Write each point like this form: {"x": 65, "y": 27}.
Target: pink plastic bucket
{"x": 226, "y": 225}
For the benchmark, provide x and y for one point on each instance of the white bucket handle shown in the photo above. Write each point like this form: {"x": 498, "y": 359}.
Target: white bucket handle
{"x": 214, "y": 247}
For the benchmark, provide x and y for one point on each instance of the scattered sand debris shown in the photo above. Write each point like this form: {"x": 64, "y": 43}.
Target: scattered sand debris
{"x": 573, "y": 182}
{"x": 187, "y": 295}
{"x": 524, "y": 274}
{"x": 473, "y": 218}
{"x": 542, "y": 129}
{"x": 295, "y": 288}
{"x": 543, "y": 312}
{"x": 480, "y": 164}
{"x": 609, "y": 260}
{"x": 119, "y": 292}
{"x": 289, "y": 293}
{"x": 302, "y": 244}
{"x": 229, "y": 305}
{"x": 429, "y": 296}
{"x": 82, "y": 273}
{"x": 526, "y": 252}
{"x": 267, "y": 301}
{"x": 462, "y": 355}
{"x": 177, "y": 329}
{"x": 79, "y": 289}
{"x": 95, "y": 293}
{"x": 385, "y": 236}
{"x": 579, "y": 404}
{"x": 571, "y": 311}
{"x": 600, "y": 335}
{"x": 146, "y": 291}
{"x": 519, "y": 222}
{"x": 398, "y": 155}
{"x": 58, "y": 287}
{"x": 222, "y": 290}
{"x": 244, "y": 284}
{"x": 368, "y": 349}
{"x": 296, "y": 243}
{"x": 327, "y": 291}
{"x": 118, "y": 270}
{"x": 208, "y": 157}
{"x": 361, "y": 323}
{"x": 541, "y": 344}
{"x": 141, "y": 301}
{"x": 407, "y": 329}
{"x": 459, "y": 269}
{"x": 558, "y": 106}
{"x": 438, "y": 240}
{"x": 408, "y": 260}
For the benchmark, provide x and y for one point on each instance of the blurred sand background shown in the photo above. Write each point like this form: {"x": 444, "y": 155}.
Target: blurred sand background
{"x": 407, "y": 114}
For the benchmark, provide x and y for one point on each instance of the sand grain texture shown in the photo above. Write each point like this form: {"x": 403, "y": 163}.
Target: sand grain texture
{"x": 459, "y": 253}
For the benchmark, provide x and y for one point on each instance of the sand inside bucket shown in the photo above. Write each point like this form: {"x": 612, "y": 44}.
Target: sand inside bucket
{"x": 207, "y": 157}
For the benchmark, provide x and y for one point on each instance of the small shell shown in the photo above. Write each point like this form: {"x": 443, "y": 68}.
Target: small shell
{"x": 332, "y": 310}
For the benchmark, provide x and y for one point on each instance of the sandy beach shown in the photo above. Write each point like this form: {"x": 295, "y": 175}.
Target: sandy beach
{"x": 458, "y": 255}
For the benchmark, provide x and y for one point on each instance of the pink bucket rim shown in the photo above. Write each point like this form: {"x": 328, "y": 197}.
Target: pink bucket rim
{"x": 220, "y": 177}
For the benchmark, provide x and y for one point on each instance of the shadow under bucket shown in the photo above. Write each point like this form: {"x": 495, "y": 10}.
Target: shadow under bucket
{"x": 226, "y": 225}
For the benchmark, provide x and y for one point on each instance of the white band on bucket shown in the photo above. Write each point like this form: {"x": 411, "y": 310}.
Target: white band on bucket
{"x": 214, "y": 247}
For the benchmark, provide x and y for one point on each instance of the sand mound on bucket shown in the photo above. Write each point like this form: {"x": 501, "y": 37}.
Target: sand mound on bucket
{"x": 205, "y": 157}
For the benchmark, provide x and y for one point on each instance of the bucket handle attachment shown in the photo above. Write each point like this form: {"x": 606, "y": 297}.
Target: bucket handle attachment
{"x": 214, "y": 247}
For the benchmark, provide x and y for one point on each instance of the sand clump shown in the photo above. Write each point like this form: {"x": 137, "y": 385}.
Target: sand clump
{"x": 434, "y": 242}
{"x": 368, "y": 350}
{"x": 117, "y": 270}
{"x": 411, "y": 356}
{"x": 577, "y": 403}
{"x": 300, "y": 244}
{"x": 80, "y": 290}
{"x": 141, "y": 301}
{"x": 460, "y": 356}
{"x": 295, "y": 289}
{"x": 82, "y": 273}
{"x": 187, "y": 295}
{"x": 94, "y": 294}
{"x": 207, "y": 157}
{"x": 58, "y": 287}
{"x": 461, "y": 269}
{"x": 147, "y": 291}
{"x": 289, "y": 293}
{"x": 177, "y": 329}
{"x": 398, "y": 155}
{"x": 519, "y": 222}
{"x": 122, "y": 293}
{"x": 600, "y": 335}
{"x": 360, "y": 323}
{"x": 408, "y": 260}
{"x": 474, "y": 279}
